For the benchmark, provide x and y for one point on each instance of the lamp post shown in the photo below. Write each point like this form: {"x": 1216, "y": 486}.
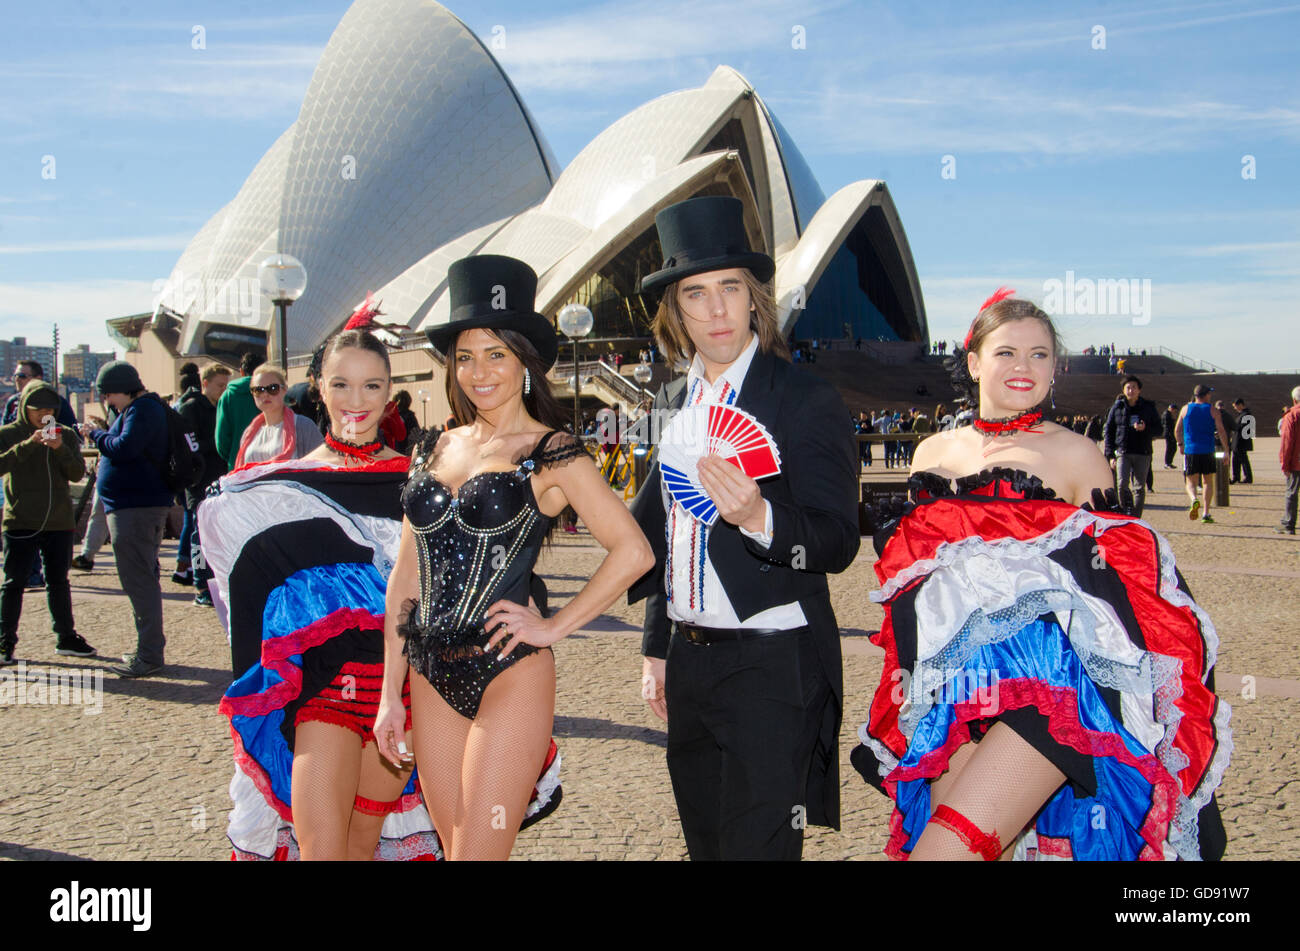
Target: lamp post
{"x": 642, "y": 373}
{"x": 575, "y": 322}
{"x": 424, "y": 413}
{"x": 283, "y": 279}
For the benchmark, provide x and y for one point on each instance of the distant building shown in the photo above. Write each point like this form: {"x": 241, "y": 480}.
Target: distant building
{"x": 11, "y": 351}
{"x": 81, "y": 367}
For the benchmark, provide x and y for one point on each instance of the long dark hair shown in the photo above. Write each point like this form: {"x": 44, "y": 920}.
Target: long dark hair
{"x": 540, "y": 401}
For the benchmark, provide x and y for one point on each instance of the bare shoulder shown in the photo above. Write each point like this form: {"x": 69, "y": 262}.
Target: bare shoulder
{"x": 1082, "y": 464}
{"x": 932, "y": 450}
{"x": 1068, "y": 447}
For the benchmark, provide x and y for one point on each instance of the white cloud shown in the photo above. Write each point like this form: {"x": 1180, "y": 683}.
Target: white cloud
{"x": 160, "y": 242}
{"x": 1257, "y": 247}
{"x": 919, "y": 112}
{"x": 609, "y": 47}
{"x": 235, "y": 82}
{"x": 80, "y": 308}
{"x": 1244, "y": 326}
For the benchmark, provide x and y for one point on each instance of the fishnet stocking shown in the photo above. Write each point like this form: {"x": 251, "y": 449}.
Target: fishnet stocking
{"x": 999, "y": 785}
{"x": 477, "y": 776}
{"x": 378, "y": 781}
{"x": 330, "y": 769}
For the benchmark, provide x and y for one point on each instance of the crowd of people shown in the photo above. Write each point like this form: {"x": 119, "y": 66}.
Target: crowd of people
{"x": 393, "y": 685}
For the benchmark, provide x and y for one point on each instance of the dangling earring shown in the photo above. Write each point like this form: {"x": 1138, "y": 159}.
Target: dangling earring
{"x": 528, "y": 383}
{"x": 1051, "y": 393}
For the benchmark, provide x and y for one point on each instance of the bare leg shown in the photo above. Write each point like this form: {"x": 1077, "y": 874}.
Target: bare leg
{"x": 1207, "y": 490}
{"x": 1189, "y": 483}
{"x": 439, "y": 735}
{"x": 507, "y": 746}
{"x": 326, "y": 762}
{"x": 1000, "y": 789}
{"x": 382, "y": 783}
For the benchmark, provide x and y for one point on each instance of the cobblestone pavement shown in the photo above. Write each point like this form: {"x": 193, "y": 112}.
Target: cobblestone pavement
{"x": 146, "y": 775}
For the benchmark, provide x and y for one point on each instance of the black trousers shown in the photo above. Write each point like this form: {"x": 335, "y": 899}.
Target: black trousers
{"x": 21, "y": 552}
{"x": 1241, "y": 466}
{"x": 743, "y": 719}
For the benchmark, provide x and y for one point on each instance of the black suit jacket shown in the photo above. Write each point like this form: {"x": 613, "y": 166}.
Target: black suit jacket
{"x": 814, "y": 532}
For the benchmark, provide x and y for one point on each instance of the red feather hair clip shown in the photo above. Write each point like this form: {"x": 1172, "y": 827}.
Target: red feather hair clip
{"x": 1002, "y": 293}
{"x": 364, "y": 315}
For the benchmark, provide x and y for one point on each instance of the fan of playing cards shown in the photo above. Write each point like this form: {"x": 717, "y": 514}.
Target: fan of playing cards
{"x": 712, "y": 429}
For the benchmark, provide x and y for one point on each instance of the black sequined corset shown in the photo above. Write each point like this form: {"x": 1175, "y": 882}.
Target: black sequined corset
{"x": 475, "y": 548}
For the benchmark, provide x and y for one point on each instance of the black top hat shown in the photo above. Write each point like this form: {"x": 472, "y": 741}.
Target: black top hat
{"x": 705, "y": 234}
{"x": 495, "y": 292}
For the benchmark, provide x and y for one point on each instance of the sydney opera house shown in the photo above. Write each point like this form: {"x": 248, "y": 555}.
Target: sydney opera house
{"x": 388, "y": 175}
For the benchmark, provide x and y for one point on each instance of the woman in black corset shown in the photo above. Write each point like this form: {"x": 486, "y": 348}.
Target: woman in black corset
{"x": 480, "y": 502}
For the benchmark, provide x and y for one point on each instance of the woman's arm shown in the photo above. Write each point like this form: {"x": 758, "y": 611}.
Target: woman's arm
{"x": 403, "y": 585}
{"x": 579, "y": 484}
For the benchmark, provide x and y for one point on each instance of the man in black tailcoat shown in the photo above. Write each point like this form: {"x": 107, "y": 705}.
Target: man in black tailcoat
{"x": 742, "y": 652}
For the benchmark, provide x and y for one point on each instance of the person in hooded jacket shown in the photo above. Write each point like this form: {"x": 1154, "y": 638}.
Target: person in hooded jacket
{"x": 39, "y": 459}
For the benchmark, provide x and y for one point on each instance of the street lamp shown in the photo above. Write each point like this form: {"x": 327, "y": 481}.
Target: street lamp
{"x": 642, "y": 373}
{"x": 423, "y": 394}
{"x": 575, "y": 322}
{"x": 283, "y": 279}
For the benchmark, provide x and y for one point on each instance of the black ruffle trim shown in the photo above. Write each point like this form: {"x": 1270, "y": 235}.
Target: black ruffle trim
{"x": 1021, "y": 482}
{"x": 927, "y": 486}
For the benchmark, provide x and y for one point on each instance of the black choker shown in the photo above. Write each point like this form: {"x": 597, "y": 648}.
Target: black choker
{"x": 355, "y": 450}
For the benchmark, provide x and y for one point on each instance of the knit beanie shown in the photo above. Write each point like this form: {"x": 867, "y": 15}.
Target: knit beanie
{"x": 118, "y": 377}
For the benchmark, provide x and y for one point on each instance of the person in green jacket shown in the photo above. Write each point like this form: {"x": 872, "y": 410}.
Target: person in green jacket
{"x": 38, "y": 458}
{"x": 235, "y": 410}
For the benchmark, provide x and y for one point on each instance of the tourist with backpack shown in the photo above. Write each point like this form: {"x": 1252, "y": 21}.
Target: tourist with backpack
{"x": 136, "y": 463}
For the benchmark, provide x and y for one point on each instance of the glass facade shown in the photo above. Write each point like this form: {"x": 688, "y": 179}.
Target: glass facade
{"x": 228, "y": 344}
{"x": 859, "y": 288}
{"x": 805, "y": 191}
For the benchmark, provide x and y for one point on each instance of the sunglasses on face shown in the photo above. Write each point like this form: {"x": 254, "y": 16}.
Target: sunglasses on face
{"x": 270, "y": 389}
{"x": 22, "y": 376}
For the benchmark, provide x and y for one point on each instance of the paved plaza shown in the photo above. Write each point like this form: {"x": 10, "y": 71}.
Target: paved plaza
{"x": 145, "y": 777}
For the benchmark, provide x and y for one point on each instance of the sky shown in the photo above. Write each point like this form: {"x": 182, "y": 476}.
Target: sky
{"x": 1046, "y": 147}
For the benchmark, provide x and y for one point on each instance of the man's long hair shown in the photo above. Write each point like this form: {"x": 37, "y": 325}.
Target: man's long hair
{"x": 674, "y": 342}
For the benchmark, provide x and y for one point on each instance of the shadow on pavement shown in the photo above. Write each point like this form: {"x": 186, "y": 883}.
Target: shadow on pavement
{"x": 167, "y": 685}
{"x": 11, "y": 850}
{"x": 592, "y": 728}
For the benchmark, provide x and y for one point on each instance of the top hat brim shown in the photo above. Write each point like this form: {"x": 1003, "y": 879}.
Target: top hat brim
{"x": 535, "y": 328}
{"x": 762, "y": 267}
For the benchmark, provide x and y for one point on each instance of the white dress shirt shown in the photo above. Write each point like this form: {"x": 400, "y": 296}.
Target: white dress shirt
{"x": 695, "y": 593}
